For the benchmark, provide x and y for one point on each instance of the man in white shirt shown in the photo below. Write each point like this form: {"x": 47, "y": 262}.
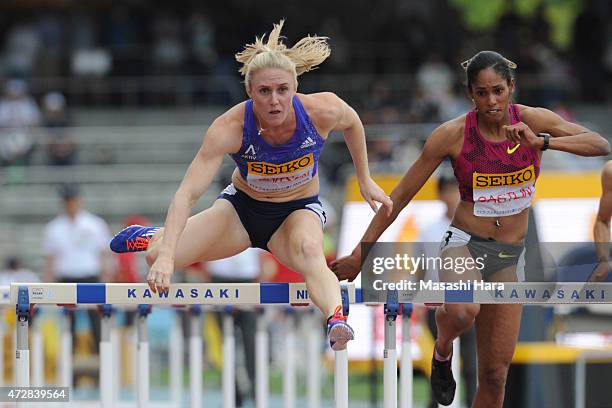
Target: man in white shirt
{"x": 76, "y": 249}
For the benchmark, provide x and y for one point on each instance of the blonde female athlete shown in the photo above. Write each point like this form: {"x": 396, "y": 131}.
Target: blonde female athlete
{"x": 495, "y": 151}
{"x": 275, "y": 138}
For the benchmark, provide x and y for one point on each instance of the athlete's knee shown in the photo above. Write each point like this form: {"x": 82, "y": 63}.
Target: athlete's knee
{"x": 310, "y": 249}
{"x": 463, "y": 315}
{"x": 493, "y": 379}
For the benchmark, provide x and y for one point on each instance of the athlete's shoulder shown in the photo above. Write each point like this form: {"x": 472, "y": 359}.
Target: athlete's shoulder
{"x": 452, "y": 128}
{"x": 225, "y": 133}
{"x": 529, "y": 113}
{"x": 233, "y": 117}
{"x": 325, "y": 109}
{"x": 319, "y": 97}
{"x": 447, "y": 138}
{"x": 321, "y": 103}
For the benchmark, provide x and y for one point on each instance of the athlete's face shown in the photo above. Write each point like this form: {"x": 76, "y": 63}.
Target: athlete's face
{"x": 491, "y": 95}
{"x": 272, "y": 90}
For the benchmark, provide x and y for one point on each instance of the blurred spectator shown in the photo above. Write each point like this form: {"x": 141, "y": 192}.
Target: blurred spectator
{"x": 14, "y": 271}
{"x": 244, "y": 267}
{"x": 553, "y": 78}
{"x": 88, "y": 58}
{"x": 53, "y": 35}
{"x": 382, "y": 105}
{"x": 19, "y": 115}
{"x": 91, "y": 62}
{"x": 380, "y": 152}
{"x": 76, "y": 249}
{"x": 202, "y": 40}
{"x": 168, "y": 53}
{"x": 435, "y": 79}
{"x": 23, "y": 44}
{"x": 454, "y": 103}
{"x": 60, "y": 144}
{"x": 84, "y": 30}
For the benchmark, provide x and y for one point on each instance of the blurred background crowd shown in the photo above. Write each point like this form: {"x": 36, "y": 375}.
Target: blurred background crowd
{"x": 114, "y": 97}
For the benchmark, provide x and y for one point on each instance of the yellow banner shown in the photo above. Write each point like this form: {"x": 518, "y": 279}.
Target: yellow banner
{"x": 549, "y": 185}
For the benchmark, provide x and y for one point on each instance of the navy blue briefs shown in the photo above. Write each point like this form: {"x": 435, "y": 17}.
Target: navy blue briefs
{"x": 261, "y": 219}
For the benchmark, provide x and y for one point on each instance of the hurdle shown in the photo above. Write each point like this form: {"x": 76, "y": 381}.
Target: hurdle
{"x": 26, "y": 295}
{"x": 126, "y": 294}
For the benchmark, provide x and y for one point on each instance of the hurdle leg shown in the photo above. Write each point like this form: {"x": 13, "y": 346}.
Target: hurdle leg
{"x": 176, "y": 360}
{"x": 133, "y": 352}
{"x": 341, "y": 361}
{"x": 22, "y": 355}
{"x": 261, "y": 360}
{"x": 289, "y": 357}
{"x": 195, "y": 357}
{"x": 38, "y": 359}
{"x": 341, "y": 379}
{"x": 65, "y": 355}
{"x": 313, "y": 363}
{"x": 229, "y": 360}
{"x": 390, "y": 352}
{"x": 142, "y": 375}
{"x": 406, "y": 359}
{"x": 115, "y": 339}
{"x": 107, "y": 370}
{"x": 2, "y": 334}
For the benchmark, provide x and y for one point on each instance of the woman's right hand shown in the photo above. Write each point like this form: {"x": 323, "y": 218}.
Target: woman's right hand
{"x": 347, "y": 267}
{"x": 160, "y": 273}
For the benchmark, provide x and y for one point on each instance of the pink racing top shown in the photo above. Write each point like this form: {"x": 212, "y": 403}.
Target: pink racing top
{"x": 498, "y": 177}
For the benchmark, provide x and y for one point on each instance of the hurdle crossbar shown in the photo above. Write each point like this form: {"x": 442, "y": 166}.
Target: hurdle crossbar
{"x": 237, "y": 294}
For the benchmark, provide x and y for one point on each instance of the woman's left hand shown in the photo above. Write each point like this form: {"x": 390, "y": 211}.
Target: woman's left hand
{"x": 520, "y": 133}
{"x": 372, "y": 193}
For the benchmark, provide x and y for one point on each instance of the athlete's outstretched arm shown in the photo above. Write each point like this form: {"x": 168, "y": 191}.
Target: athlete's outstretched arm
{"x": 566, "y": 136}
{"x": 341, "y": 117}
{"x": 435, "y": 150}
{"x": 601, "y": 229}
{"x": 223, "y": 136}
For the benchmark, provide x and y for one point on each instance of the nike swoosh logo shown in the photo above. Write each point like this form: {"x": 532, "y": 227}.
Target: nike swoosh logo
{"x": 505, "y": 255}
{"x": 510, "y": 151}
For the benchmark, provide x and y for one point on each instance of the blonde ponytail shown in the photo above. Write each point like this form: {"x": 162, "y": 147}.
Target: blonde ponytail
{"x": 304, "y": 56}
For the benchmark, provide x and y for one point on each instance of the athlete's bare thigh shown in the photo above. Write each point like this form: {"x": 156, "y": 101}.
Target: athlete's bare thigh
{"x": 214, "y": 233}
{"x": 460, "y": 268}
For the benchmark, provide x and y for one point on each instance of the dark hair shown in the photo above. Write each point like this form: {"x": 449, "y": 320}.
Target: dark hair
{"x": 13, "y": 263}
{"x": 68, "y": 191}
{"x": 485, "y": 60}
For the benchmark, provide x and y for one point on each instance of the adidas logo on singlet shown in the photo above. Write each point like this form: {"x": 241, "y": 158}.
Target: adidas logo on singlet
{"x": 307, "y": 143}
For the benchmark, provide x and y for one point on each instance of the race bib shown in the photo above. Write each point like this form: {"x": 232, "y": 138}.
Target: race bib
{"x": 269, "y": 177}
{"x": 499, "y": 195}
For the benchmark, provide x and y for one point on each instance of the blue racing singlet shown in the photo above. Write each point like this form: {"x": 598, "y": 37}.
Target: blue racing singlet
{"x": 268, "y": 168}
